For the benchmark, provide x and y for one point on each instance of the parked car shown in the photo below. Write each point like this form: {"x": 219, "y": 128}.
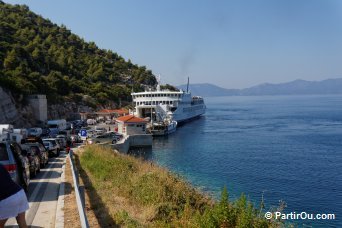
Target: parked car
{"x": 53, "y": 132}
{"x": 91, "y": 121}
{"x": 107, "y": 138}
{"x": 35, "y": 131}
{"x": 76, "y": 139}
{"x": 52, "y": 146}
{"x": 42, "y": 152}
{"x": 45, "y": 132}
{"x": 116, "y": 135}
{"x": 33, "y": 160}
{"x": 16, "y": 163}
{"x": 108, "y": 122}
{"x": 63, "y": 140}
{"x": 61, "y": 143}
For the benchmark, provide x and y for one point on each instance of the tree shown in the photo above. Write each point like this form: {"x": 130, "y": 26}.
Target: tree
{"x": 11, "y": 60}
{"x": 37, "y": 55}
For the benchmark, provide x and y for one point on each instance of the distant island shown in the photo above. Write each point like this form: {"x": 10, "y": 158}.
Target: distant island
{"x": 297, "y": 87}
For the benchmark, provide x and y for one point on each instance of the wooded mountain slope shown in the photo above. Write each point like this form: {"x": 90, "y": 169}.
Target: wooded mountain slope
{"x": 38, "y": 56}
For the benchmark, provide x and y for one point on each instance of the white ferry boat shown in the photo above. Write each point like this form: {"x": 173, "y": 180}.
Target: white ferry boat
{"x": 177, "y": 105}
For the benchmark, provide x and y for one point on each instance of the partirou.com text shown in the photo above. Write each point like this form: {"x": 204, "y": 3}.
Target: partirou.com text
{"x": 299, "y": 216}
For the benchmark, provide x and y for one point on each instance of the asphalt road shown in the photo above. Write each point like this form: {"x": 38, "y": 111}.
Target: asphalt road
{"x": 43, "y": 195}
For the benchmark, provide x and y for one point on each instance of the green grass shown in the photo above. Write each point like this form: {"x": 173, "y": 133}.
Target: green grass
{"x": 137, "y": 193}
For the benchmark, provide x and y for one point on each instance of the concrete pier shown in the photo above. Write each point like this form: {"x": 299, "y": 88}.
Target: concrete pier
{"x": 133, "y": 141}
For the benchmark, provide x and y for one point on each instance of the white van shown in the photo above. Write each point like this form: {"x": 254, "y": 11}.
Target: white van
{"x": 59, "y": 125}
{"x": 91, "y": 121}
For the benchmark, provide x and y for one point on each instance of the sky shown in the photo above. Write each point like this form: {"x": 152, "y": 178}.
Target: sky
{"x": 229, "y": 43}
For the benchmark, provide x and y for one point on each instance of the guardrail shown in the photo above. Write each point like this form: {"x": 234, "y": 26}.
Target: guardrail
{"x": 79, "y": 191}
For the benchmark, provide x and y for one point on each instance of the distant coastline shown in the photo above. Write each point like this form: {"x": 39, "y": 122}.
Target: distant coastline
{"x": 297, "y": 87}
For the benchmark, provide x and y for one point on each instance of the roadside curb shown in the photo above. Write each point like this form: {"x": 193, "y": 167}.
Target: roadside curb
{"x": 59, "y": 223}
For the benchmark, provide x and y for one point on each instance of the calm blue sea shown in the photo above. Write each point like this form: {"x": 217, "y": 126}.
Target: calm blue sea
{"x": 285, "y": 147}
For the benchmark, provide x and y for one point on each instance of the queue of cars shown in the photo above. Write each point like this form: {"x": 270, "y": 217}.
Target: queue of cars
{"x": 23, "y": 157}
{"x": 23, "y": 161}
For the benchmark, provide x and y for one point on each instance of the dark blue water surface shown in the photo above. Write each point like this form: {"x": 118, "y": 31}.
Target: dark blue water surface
{"x": 285, "y": 147}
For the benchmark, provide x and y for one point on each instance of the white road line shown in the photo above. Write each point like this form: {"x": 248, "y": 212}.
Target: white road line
{"x": 43, "y": 199}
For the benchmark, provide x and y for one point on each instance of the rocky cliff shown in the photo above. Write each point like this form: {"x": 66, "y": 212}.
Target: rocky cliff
{"x": 11, "y": 112}
{"x": 21, "y": 114}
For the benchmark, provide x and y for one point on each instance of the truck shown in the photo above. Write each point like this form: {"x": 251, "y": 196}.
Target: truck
{"x": 18, "y": 135}
{"x": 58, "y": 125}
{"x": 5, "y": 131}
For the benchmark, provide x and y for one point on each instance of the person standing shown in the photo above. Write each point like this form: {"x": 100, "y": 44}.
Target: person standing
{"x": 13, "y": 200}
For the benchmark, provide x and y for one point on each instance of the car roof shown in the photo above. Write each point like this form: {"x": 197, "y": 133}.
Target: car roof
{"x": 32, "y": 144}
{"x": 49, "y": 139}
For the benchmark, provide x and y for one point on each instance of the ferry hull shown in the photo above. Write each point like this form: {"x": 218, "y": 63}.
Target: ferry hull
{"x": 184, "y": 121}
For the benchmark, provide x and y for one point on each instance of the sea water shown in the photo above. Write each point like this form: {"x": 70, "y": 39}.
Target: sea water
{"x": 281, "y": 148}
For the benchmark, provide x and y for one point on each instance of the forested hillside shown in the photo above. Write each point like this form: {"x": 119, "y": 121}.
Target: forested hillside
{"x": 38, "y": 56}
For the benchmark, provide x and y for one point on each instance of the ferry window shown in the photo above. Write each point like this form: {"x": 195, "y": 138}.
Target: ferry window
{"x": 171, "y": 102}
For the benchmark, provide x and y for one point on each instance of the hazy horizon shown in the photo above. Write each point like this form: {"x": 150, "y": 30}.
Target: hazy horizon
{"x": 232, "y": 44}
{"x": 298, "y": 79}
